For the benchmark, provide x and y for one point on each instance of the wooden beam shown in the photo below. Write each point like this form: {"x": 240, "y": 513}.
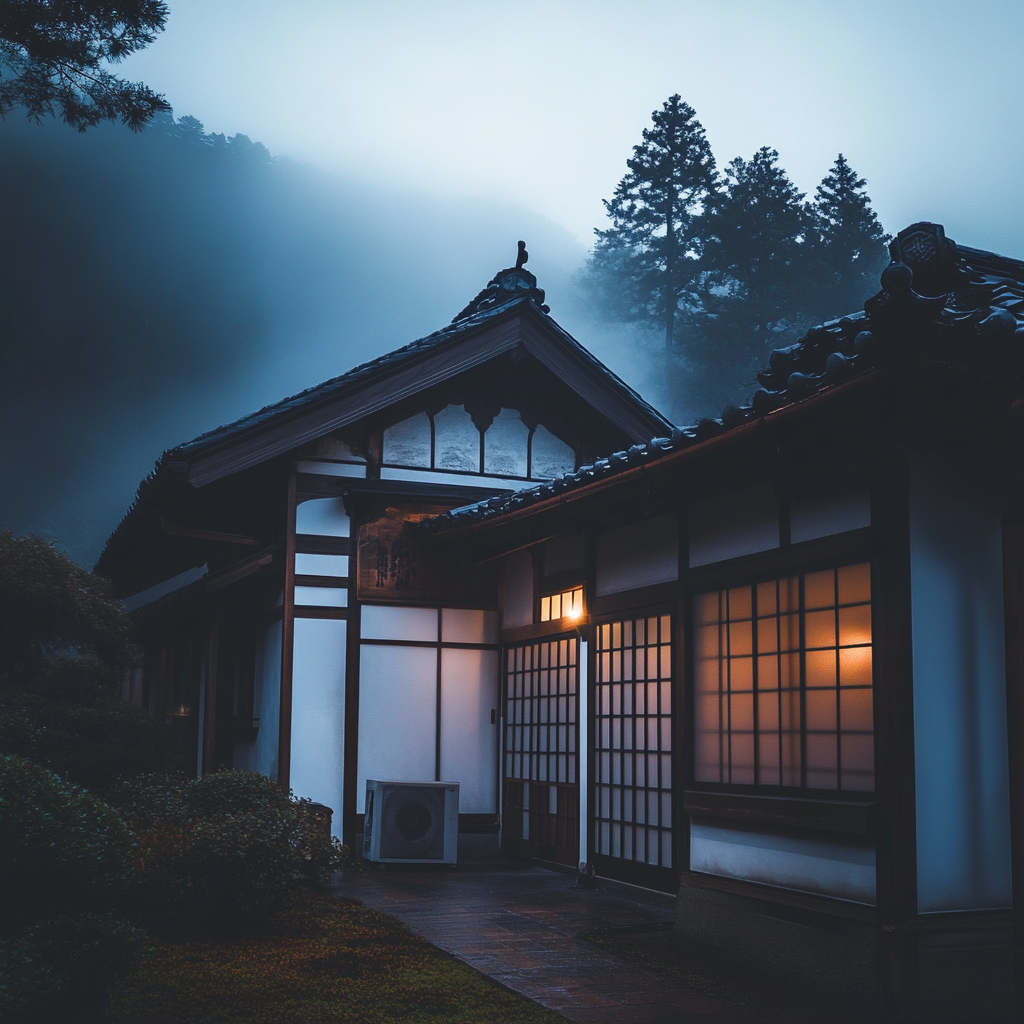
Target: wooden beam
{"x": 892, "y": 630}
{"x": 284, "y": 736}
{"x": 850, "y": 817}
{"x": 1013, "y": 605}
{"x": 209, "y": 738}
{"x": 214, "y": 535}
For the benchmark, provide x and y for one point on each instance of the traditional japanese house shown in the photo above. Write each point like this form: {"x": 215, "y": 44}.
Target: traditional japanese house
{"x": 772, "y": 662}
{"x": 291, "y": 625}
{"x": 796, "y": 632}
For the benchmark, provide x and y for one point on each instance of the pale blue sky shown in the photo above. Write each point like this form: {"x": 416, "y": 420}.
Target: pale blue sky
{"x": 541, "y": 103}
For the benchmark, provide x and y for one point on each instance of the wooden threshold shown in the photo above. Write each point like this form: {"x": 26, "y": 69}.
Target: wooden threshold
{"x": 850, "y": 817}
{"x": 784, "y": 897}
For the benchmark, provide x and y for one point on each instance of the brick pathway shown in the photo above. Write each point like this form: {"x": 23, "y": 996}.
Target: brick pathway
{"x": 517, "y": 923}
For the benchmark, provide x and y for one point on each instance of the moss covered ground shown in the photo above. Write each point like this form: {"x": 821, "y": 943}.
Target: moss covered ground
{"x": 320, "y": 959}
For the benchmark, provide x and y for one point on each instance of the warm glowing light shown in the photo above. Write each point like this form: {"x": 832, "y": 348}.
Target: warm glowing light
{"x": 566, "y": 605}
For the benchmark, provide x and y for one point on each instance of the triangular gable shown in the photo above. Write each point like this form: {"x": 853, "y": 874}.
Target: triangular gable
{"x": 405, "y": 372}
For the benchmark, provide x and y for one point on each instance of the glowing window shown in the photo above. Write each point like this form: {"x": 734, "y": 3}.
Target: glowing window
{"x": 783, "y": 689}
{"x": 567, "y": 604}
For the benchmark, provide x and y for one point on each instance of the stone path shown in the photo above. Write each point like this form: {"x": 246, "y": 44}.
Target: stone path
{"x": 517, "y": 923}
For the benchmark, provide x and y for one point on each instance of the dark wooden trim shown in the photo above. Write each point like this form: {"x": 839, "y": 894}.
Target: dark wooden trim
{"x": 215, "y": 535}
{"x": 1013, "y": 626}
{"x": 208, "y": 740}
{"x": 284, "y": 433}
{"x": 635, "y": 873}
{"x": 892, "y": 629}
{"x": 455, "y": 645}
{"x": 478, "y": 824}
{"x": 437, "y": 680}
{"x": 337, "y": 582}
{"x": 854, "y": 818}
{"x": 642, "y": 597}
{"x": 240, "y": 570}
{"x": 559, "y": 582}
{"x": 284, "y": 737}
{"x": 543, "y": 630}
{"x": 307, "y": 544}
{"x": 350, "y": 780}
{"x": 786, "y": 897}
{"x": 315, "y": 611}
{"x": 959, "y": 921}
{"x": 823, "y": 552}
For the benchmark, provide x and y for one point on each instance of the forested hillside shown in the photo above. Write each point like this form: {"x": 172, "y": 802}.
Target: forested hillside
{"x": 155, "y": 285}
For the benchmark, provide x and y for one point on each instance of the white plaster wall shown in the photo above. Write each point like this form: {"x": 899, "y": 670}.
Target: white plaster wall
{"x": 397, "y": 715}
{"x": 845, "y": 870}
{"x": 963, "y": 817}
{"x": 469, "y": 740}
{"x": 824, "y": 512}
{"x": 318, "y": 712}
{"x": 731, "y": 525}
{"x": 324, "y": 517}
{"x": 384, "y": 622}
{"x": 564, "y": 553}
{"x": 518, "y": 608}
{"x": 261, "y": 754}
{"x": 638, "y": 555}
{"x": 468, "y": 626}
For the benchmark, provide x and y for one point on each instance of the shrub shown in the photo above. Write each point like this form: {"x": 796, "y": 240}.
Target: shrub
{"x": 61, "y": 849}
{"x": 60, "y": 970}
{"x": 226, "y": 847}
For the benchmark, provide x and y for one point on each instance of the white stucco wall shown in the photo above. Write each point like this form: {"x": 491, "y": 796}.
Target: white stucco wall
{"x": 960, "y": 745}
{"x": 843, "y": 869}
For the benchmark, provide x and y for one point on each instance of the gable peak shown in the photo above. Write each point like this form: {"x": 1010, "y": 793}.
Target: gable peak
{"x": 512, "y": 283}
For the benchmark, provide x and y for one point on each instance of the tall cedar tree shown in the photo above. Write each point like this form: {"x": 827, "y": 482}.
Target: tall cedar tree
{"x": 757, "y": 294}
{"x": 53, "y": 57}
{"x": 849, "y": 245}
{"x": 646, "y": 268}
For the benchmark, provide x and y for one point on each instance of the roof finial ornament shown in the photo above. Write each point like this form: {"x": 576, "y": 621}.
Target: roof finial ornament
{"x": 523, "y": 255}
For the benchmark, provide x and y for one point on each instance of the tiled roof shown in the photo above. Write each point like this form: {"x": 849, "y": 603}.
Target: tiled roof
{"x": 508, "y": 290}
{"x": 969, "y": 311}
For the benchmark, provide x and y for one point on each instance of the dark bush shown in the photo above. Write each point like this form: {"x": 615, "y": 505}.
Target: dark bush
{"x": 225, "y": 847}
{"x": 63, "y": 650}
{"x": 60, "y": 970}
{"x": 61, "y": 850}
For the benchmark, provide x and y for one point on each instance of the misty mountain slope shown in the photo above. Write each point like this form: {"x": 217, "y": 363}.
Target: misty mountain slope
{"x": 155, "y": 286}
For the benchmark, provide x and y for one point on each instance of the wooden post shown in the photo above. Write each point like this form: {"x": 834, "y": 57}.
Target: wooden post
{"x": 284, "y": 736}
{"x": 892, "y": 629}
{"x": 350, "y": 782}
{"x": 1013, "y": 604}
{"x": 208, "y": 740}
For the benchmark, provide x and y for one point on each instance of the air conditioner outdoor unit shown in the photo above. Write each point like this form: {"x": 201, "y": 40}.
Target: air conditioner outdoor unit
{"x": 411, "y": 822}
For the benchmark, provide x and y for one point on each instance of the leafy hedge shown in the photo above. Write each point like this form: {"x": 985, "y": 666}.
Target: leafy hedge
{"x": 225, "y": 847}
{"x": 61, "y": 849}
{"x": 65, "y": 862}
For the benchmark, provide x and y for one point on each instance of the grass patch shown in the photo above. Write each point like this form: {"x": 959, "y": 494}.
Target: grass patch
{"x": 320, "y": 959}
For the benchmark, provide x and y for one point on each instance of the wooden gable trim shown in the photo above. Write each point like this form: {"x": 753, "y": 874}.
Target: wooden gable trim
{"x": 404, "y": 381}
{"x": 566, "y": 365}
{"x": 553, "y": 351}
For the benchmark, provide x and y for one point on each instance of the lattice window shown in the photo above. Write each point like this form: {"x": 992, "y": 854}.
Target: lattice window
{"x": 540, "y": 717}
{"x": 567, "y": 603}
{"x": 783, "y": 682}
{"x": 633, "y": 740}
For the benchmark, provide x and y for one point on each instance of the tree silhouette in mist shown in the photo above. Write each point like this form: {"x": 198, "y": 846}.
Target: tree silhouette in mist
{"x": 53, "y": 57}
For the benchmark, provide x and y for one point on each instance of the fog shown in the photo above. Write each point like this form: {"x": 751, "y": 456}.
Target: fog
{"x": 155, "y": 286}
